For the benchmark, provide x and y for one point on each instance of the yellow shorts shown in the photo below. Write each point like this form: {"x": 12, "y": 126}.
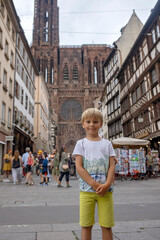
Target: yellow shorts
{"x": 88, "y": 201}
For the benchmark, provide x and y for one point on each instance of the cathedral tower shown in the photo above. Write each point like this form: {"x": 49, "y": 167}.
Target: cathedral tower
{"x": 74, "y": 74}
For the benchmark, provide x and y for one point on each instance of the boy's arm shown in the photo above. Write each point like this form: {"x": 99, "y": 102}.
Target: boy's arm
{"x": 103, "y": 188}
{"x": 84, "y": 174}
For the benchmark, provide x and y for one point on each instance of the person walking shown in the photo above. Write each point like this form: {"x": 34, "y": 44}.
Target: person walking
{"x": 63, "y": 167}
{"x": 16, "y": 163}
{"x": 25, "y": 160}
{"x": 45, "y": 170}
{"x": 41, "y": 159}
{"x": 96, "y": 167}
{"x": 7, "y": 165}
{"x": 30, "y": 164}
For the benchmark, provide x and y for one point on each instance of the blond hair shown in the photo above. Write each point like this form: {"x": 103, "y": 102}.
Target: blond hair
{"x": 92, "y": 112}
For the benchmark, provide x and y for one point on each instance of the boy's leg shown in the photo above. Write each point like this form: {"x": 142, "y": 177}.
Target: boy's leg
{"x": 107, "y": 233}
{"x": 87, "y": 211}
{"x": 86, "y": 233}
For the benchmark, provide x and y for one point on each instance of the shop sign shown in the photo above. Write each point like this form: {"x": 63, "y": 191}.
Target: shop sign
{"x": 9, "y": 138}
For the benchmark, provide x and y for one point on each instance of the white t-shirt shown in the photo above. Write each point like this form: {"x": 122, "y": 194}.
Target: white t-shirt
{"x": 95, "y": 160}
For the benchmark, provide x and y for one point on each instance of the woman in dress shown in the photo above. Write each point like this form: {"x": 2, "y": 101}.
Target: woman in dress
{"x": 7, "y": 165}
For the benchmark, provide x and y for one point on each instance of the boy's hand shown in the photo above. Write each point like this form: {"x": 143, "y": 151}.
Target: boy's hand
{"x": 95, "y": 185}
{"x": 102, "y": 189}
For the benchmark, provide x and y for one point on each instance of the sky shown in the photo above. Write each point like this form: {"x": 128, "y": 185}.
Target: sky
{"x": 88, "y": 21}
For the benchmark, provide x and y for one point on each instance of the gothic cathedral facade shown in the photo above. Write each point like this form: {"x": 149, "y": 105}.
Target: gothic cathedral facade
{"x": 74, "y": 74}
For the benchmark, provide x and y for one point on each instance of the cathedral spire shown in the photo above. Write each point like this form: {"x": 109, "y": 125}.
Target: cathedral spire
{"x": 46, "y": 23}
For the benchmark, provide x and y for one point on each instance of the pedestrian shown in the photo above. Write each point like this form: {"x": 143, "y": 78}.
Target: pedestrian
{"x": 25, "y": 160}
{"x": 7, "y": 165}
{"x": 45, "y": 170}
{"x": 30, "y": 164}
{"x": 149, "y": 159}
{"x": 41, "y": 159}
{"x": 55, "y": 165}
{"x": 96, "y": 167}
{"x": 16, "y": 163}
{"x": 63, "y": 167}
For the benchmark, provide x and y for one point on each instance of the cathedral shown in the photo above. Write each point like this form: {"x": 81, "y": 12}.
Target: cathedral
{"x": 74, "y": 74}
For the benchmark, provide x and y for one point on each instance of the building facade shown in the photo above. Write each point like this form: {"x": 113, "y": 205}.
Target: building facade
{"x": 24, "y": 94}
{"x": 110, "y": 104}
{"x": 73, "y": 74}
{"x": 8, "y": 28}
{"x": 41, "y": 114}
{"x": 139, "y": 80}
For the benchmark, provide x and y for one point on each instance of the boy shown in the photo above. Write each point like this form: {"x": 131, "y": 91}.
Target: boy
{"x": 96, "y": 167}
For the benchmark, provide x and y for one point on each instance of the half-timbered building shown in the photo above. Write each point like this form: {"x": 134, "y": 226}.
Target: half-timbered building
{"x": 139, "y": 79}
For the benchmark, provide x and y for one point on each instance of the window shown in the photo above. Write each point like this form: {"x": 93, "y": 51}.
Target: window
{"x": 115, "y": 58}
{"x": 125, "y": 105}
{"x": 157, "y": 109}
{"x": 131, "y": 68}
{"x": 1, "y": 39}
{"x": 2, "y": 8}
{"x": 137, "y": 59}
{"x": 143, "y": 88}
{"x": 4, "y": 78}
{"x": 8, "y": 23}
{"x": 134, "y": 97}
{"x": 17, "y": 90}
{"x": 6, "y": 50}
{"x": 95, "y": 76}
{"x": 75, "y": 72}
{"x": 127, "y": 128}
{"x": 3, "y": 113}
{"x": 12, "y": 60}
{"x": 30, "y": 107}
{"x": 13, "y": 35}
{"x": 9, "y": 118}
{"x": 27, "y": 81}
{"x": 115, "y": 81}
{"x": 22, "y": 76}
{"x": 26, "y": 102}
{"x": 23, "y": 53}
{"x": 138, "y": 92}
{"x": 22, "y": 95}
{"x": 10, "y": 86}
{"x": 65, "y": 72}
{"x": 19, "y": 43}
{"x": 153, "y": 76}
{"x": 155, "y": 33}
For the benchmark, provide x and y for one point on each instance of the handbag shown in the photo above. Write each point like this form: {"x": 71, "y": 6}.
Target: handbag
{"x": 65, "y": 167}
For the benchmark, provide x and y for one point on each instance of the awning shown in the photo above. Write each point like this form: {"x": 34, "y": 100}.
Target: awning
{"x": 125, "y": 141}
{"x": 2, "y": 142}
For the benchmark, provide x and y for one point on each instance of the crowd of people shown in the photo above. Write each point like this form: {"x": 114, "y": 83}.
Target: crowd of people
{"x": 56, "y": 165}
